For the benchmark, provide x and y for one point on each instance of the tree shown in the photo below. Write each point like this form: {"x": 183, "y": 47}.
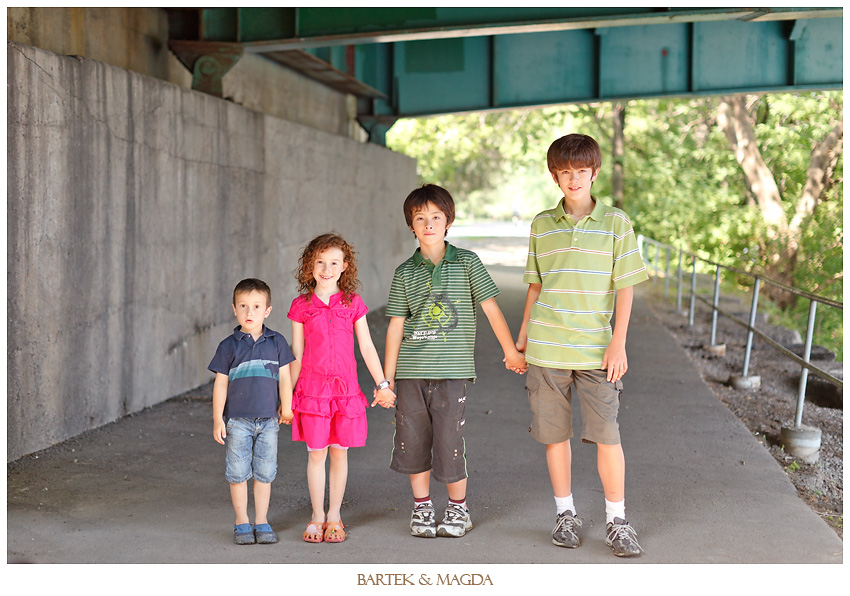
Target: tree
{"x": 772, "y": 204}
{"x": 618, "y": 151}
{"x": 781, "y": 243}
{"x": 495, "y": 163}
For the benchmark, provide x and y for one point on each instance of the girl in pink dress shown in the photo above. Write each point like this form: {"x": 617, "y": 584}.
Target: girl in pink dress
{"x": 329, "y": 408}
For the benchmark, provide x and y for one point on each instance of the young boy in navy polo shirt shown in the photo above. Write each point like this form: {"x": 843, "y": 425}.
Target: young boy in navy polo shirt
{"x": 252, "y": 395}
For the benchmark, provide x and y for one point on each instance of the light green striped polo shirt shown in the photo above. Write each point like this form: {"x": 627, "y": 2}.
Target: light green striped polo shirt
{"x": 579, "y": 265}
{"x": 439, "y": 304}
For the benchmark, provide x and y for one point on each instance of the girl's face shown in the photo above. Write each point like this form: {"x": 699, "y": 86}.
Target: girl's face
{"x": 327, "y": 269}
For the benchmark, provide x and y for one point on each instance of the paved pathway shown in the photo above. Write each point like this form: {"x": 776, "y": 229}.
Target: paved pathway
{"x": 699, "y": 489}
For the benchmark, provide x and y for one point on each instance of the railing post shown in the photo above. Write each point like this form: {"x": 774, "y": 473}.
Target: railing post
{"x": 655, "y": 262}
{"x": 679, "y": 285}
{"x": 807, "y": 353}
{"x": 745, "y": 381}
{"x": 693, "y": 292}
{"x": 800, "y": 440}
{"x": 667, "y": 274}
{"x": 715, "y": 304}
{"x": 753, "y": 310}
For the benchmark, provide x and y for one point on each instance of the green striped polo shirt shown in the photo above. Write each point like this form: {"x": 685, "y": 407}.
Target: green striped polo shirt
{"x": 579, "y": 265}
{"x": 439, "y": 306}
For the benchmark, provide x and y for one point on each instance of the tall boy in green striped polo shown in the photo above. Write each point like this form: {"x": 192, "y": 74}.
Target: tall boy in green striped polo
{"x": 429, "y": 358}
{"x": 579, "y": 253}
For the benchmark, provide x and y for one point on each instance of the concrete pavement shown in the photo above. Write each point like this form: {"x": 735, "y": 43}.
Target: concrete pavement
{"x": 699, "y": 487}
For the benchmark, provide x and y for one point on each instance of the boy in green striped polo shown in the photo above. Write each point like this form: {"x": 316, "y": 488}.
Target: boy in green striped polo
{"x": 429, "y": 358}
{"x": 579, "y": 253}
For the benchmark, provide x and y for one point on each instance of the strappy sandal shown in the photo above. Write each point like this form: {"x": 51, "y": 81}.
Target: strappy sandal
{"x": 334, "y": 532}
{"x": 316, "y": 536}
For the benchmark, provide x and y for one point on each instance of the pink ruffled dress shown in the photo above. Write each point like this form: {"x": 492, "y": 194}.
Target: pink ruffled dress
{"x": 328, "y": 404}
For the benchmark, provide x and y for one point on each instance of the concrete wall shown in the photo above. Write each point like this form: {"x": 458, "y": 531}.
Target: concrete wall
{"x": 134, "y": 206}
{"x": 136, "y": 39}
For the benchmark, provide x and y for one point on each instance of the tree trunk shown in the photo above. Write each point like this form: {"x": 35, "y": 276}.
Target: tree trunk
{"x": 618, "y": 152}
{"x": 781, "y": 248}
{"x": 733, "y": 119}
{"x": 824, "y": 155}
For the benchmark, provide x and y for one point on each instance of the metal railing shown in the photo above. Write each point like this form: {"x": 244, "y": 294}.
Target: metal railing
{"x": 645, "y": 244}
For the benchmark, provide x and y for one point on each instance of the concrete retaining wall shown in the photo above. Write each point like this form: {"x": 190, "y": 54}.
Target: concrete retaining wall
{"x": 136, "y": 39}
{"x": 134, "y": 207}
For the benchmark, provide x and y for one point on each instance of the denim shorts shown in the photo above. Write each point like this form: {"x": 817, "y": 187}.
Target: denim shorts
{"x": 251, "y": 445}
{"x": 550, "y": 393}
{"x": 429, "y": 421}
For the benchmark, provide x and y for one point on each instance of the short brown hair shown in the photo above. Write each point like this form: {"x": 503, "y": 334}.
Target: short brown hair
{"x": 574, "y": 151}
{"x": 348, "y": 282}
{"x": 429, "y": 193}
{"x": 249, "y": 285}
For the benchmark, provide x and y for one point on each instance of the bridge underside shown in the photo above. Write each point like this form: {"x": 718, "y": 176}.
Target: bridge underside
{"x": 406, "y": 62}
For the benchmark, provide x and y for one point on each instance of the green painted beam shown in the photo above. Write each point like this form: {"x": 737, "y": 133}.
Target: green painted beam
{"x": 416, "y": 61}
{"x": 274, "y": 29}
{"x": 607, "y": 64}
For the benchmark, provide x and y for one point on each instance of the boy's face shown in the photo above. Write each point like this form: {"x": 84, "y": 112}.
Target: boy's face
{"x": 575, "y": 182}
{"x": 430, "y": 225}
{"x": 327, "y": 269}
{"x": 251, "y": 309}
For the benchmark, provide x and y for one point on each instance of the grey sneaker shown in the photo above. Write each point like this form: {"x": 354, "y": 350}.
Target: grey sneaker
{"x": 566, "y": 530}
{"x": 455, "y": 523}
{"x": 264, "y": 534}
{"x": 423, "y": 522}
{"x": 622, "y": 538}
{"x": 243, "y": 534}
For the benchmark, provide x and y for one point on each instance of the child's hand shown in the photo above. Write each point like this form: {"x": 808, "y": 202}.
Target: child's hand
{"x": 384, "y": 397}
{"x": 285, "y": 416}
{"x": 522, "y": 343}
{"x": 615, "y": 362}
{"x": 515, "y": 362}
{"x": 219, "y": 431}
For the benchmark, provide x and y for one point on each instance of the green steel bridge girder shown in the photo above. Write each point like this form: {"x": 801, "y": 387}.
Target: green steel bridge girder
{"x": 287, "y": 28}
{"x": 421, "y": 61}
{"x": 588, "y": 65}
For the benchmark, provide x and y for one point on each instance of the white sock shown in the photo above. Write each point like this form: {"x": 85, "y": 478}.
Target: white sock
{"x": 564, "y": 503}
{"x": 613, "y": 510}
{"x": 423, "y": 502}
{"x": 458, "y": 503}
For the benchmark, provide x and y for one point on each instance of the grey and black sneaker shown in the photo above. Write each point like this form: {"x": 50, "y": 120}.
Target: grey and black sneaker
{"x": 243, "y": 534}
{"x": 455, "y": 523}
{"x": 423, "y": 522}
{"x": 566, "y": 530}
{"x": 622, "y": 538}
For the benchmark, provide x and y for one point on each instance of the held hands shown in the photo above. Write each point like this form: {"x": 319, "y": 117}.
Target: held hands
{"x": 515, "y": 361}
{"x": 521, "y": 343}
{"x": 385, "y": 397}
{"x": 285, "y": 416}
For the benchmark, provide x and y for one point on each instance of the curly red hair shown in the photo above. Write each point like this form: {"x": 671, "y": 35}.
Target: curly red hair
{"x": 348, "y": 282}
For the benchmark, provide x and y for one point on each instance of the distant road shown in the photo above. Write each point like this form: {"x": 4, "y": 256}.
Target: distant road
{"x": 492, "y": 229}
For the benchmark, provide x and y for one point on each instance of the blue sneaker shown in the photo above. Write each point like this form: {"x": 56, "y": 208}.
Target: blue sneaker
{"x": 264, "y": 534}
{"x": 243, "y": 534}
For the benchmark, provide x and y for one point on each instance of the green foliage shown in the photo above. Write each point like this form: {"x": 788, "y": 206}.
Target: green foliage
{"x": 492, "y": 163}
{"x": 683, "y": 185}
